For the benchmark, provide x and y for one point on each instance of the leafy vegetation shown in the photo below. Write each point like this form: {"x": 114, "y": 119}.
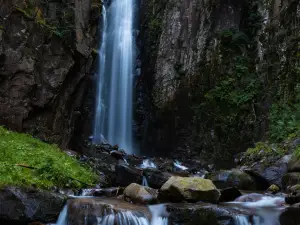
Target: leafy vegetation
{"x": 263, "y": 149}
{"x": 25, "y": 161}
{"x": 61, "y": 25}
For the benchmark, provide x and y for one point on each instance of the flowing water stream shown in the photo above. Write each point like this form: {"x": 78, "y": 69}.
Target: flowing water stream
{"x": 113, "y": 116}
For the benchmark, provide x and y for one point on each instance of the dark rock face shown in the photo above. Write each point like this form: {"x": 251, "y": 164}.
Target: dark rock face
{"x": 229, "y": 194}
{"x": 184, "y": 65}
{"x": 44, "y": 69}
{"x": 21, "y": 206}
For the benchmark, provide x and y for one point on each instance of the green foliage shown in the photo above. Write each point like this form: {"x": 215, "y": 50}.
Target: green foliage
{"x": 62, "y": 26}
{"x": 285, "y": 119}
{"x": 52, "y": 166}
{"x": 263, "y": 149}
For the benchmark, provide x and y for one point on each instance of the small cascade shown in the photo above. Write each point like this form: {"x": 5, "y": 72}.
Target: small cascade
{"x": 123, "y": 218}
{"x": 266, "y": 209}
{"x": 62, "y": 219}
{"x": 145, "y": 182}
{"x": 147, "y": 163}
{"x": 111, "y": 212}
{"x": 159, "y": 215}
{"x": 178, "y": 165}
{"x": 241, "y": 220}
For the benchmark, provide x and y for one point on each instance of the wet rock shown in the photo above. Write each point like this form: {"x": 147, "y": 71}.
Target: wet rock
{"x": 290, "y": 179}
{"x": 229, "y": 194}
{"x": 156, "y": 178}
{"x": 295, "y": 189}
{"x": 117, "y": 154}
{"x": 87, "y": 210}
{"x": 24, "y": 205}
{"x": 125, "y": 175}
{"x": 200, "y": 213}
{"x": 291, "y": 215}
{"x": 191, "y": 189}
{"x": 270, "y": 169}
{"x": 232, "y": 178}
{"x": 273, "y": 189}
{"x": 140, "y": 194}
{"x": 113, "y": 191}
{"x": 292, "y": 199}
{"x": 294, "y": 165}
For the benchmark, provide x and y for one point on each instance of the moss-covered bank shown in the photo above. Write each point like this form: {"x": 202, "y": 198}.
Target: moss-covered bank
{"x": 26, "y": 161}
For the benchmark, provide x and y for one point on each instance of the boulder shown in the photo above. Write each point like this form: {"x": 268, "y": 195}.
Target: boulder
{"x": 232, "y": 178}
{"x": 191, "y": 189}
{"x": 140, "y": 194}
{"x": 25, "y": 205}
{"x": 273, "y": 189}
{"x": 201, "y": 213}
{"x": 229, "y": 194}
{"x": 125, "y": 175}
{"x": 156, "y": 178}
{"x": 294, "y": 165}
{"x": 290, "y": 179}
{"x": 291, "y": 215}
{"x": 270, "y": 169}
{"x": 292, "y": 199}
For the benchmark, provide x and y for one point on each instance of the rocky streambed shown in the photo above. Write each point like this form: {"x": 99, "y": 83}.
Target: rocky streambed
{"x": 136, "y": 190}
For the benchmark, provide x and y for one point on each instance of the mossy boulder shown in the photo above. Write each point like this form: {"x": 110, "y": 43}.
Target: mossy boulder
{"x": 232, "y": 178}
{"x": 290, "y": 179}
{"x": 140, "y": 194}
{"x": 273, "y": 189}
{"x": 191, "y": 189}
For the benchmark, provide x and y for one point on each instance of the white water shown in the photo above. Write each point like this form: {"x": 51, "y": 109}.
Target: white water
{"x": 145, "y": 182}
{"x": 178, "y": 165}
{"x": 159, "y": 215}
{"x": 158, "y": 212}
{"x": 62, "y": 219}
{"x": 266, "y": 210}
{"x": 147, "y": 163}
{"x": 113, "y": 116}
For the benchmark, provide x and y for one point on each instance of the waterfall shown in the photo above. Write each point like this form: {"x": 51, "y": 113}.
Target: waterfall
{"x": 113, "y": 116}
{"x": 62, "y": 219}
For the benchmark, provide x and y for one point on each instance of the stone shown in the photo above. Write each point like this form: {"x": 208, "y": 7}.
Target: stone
{"x": 232, "y": 178}
{"x": 156, "y": 178}
{"x": 140, "y": 194}
{"x": 229, "y": 194}
{"x": 25, "y": 205}
{"x": 290, "y": 216}
{"x": 273, "y": 189}
{"x": 290, "y": 179}
{"x": 294, "y": 165}
{"x": 125, "y": 175}
{"x": 292, "y": 199}
{"x": 191, "y": 189}
{"x": 200, "y": 213}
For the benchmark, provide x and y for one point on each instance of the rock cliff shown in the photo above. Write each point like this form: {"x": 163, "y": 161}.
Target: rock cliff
{"x": 220, "y": 72}
{"x": 45, "y": 64}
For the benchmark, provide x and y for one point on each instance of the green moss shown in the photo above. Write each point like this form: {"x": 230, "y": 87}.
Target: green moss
{"x": 264, "y": 149}
{"x": 52, "y": 167}
{"x": 297, "y": 152}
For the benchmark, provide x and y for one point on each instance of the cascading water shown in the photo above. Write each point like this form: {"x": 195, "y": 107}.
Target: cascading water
{"x": 113, "y": 116}
{"x": 266, "y": 210}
